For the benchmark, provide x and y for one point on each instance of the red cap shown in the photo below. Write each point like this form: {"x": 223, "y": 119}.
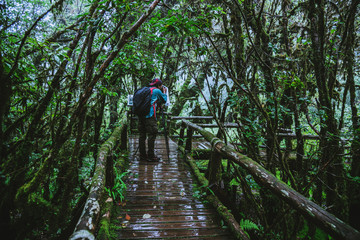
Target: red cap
{"x": 156, "y": 82}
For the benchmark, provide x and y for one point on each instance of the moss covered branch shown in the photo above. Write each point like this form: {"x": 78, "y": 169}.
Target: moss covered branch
{"x": 86, "y": 225}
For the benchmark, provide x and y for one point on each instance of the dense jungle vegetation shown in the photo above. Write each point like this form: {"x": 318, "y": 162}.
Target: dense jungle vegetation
{"x": 67, "y": 66}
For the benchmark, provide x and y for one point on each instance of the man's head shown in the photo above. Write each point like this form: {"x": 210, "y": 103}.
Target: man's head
{"x": 156, "y": 82}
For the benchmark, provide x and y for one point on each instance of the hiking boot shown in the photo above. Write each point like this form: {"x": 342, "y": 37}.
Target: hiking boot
{"x": 153, "y": 159}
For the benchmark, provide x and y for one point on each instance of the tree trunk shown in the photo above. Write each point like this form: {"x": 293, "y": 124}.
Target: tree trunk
{"x": 353, "y": 193}
{"x": 329, "y": 142}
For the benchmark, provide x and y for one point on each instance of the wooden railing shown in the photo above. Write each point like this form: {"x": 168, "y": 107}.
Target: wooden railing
{"x": 87, "y": 224}
{"x": 313, "y": 212}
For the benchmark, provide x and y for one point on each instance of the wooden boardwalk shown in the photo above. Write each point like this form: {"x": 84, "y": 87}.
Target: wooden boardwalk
{"x": 160, "y": 202}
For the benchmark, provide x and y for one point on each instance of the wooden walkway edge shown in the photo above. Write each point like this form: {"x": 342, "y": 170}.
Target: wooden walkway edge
{"x": 160, "y": 203}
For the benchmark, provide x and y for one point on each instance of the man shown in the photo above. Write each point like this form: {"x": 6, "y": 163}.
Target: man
{"x": 148, "y": 125}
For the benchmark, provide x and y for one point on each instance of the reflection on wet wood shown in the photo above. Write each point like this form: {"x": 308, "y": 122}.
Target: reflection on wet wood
{"x": 160, "y": 202}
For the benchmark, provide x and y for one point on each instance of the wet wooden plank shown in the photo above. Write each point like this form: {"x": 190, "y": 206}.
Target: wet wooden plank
{"x": 172, "y": 226}
{"x": 168, "y": 233}
{"x": 170, "y": 212}
{"x": 163, "y": 206}
{"x": 160, "y": 203}
{"x": 168, "y": 219}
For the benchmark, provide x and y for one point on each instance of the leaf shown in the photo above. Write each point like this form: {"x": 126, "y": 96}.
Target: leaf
{"x": 127, "y": 217}
{"x": 247, "y": 224}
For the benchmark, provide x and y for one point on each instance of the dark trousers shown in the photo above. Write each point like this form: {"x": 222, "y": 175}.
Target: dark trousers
{"x": 147, "y": 126}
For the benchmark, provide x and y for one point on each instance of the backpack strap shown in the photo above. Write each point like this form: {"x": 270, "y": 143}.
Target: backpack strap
{"x": 153, "y": 106}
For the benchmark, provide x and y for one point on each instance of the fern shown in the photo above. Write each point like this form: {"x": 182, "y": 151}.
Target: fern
{"x": 118, "y": 190}
{"x": 248, "y": 225}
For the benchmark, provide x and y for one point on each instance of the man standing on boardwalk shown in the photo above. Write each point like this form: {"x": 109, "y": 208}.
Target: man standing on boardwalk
{"x": 148, "y": 124}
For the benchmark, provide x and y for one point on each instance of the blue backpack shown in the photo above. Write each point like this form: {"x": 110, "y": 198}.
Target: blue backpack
{"x": 142, "y": 101}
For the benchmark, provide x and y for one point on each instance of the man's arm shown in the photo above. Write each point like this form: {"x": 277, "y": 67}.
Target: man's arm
{"x": 162, "y": 97}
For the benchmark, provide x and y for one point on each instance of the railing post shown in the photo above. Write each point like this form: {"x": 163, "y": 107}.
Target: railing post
{"x": 124, "y": 137}
{"x": 215, "y": 168}
{"x": 181, "y": 137}
{"x": 189, "y": 134}
{"x": 169, "y": 124}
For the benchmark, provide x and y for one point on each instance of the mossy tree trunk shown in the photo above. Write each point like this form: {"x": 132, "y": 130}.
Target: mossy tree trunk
{"x": 329, "y": 133}
{"x": 354, "y": 195}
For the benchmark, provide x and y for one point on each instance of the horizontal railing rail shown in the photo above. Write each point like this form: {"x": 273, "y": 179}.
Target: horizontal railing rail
{"x": 310, "y": 210}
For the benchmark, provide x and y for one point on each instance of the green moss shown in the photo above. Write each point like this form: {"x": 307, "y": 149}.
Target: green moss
{"x": 32, "y": 185}
{"x": 104, "y": 231}
{"x": 202, "y": 153}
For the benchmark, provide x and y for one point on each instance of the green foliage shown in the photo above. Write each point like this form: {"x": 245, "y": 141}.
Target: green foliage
{"x": 199, "y": 193}
{"x": 303, "y": 233}
{"x": 318, "y": 235}
{"x": 251, "y": 182}
{"x": 234, "y": 182}
{"x": 202, "y": 164}
{"x": 117, "y": 192}
{"x": 86, "y": 170}
{"x": 355, "y": 179}
{"x": 321, "y": 235}
{"x": 223, "y": 224}
{"x": 248, "y": 225}
{"x": 178, "y": 23}
{"x": 242, "y": 55}
{"x": 210, "y": 191}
